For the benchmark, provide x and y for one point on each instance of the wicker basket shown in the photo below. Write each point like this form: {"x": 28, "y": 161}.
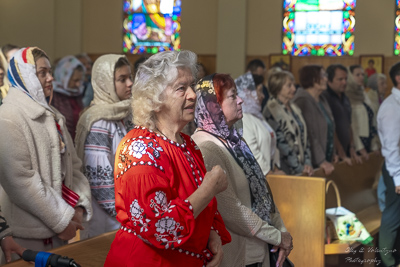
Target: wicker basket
{"x": 330, "y": 227}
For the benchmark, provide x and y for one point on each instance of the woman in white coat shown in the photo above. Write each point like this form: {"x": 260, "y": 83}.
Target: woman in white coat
{"x": 46, "y": 196}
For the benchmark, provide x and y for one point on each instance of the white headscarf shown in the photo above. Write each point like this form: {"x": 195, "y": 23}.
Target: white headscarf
{"x": 62, "y": 74}
{"x": 106, "y": 104}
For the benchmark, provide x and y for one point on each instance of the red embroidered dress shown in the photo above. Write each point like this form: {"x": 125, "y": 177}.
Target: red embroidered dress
{"x": 154, "y": 176}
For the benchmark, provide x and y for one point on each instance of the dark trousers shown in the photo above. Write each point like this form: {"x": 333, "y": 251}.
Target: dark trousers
{"x": 390, "y": 223}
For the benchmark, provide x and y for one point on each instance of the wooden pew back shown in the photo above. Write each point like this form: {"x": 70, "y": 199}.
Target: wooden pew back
{"x": 301, "y": 202}
{"x": 88, "y": 253}
{"x": 355, "y": 184}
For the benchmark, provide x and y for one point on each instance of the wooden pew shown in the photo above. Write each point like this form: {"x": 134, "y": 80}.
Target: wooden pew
{"x": 88, "y": 253}
{"x": 357, "y": 194}
{"x": 302, "y": 202}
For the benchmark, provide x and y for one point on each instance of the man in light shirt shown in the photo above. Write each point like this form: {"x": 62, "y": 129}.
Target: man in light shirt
{"x": 389, "y": 134}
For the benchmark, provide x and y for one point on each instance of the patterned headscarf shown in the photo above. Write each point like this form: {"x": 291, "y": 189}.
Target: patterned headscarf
{"x": 6, "y": 84}
{"x": 247, "y": 91}
{"x": 210, "y": 117}
{"x": 106, "y": 105}
{"x": 62, "y": 74}
{"x": 22, "y": 75}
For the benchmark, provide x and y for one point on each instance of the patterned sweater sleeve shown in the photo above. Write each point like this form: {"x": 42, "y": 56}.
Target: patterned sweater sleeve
{"x": 98, "y": 164}
{"x": 288, "y": 156}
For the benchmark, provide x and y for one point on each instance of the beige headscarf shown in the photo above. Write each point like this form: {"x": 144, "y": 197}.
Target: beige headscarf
{"x": 106, "y": 105}
{"x": 6, "y": 86}
{"x": 354, "y": 92}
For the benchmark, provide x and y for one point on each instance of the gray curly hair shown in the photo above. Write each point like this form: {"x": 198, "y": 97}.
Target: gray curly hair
{"x": 373, "y": 80}
{"x": 152, "y": 78}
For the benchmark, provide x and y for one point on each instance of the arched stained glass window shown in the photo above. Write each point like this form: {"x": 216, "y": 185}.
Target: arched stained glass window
{"x": 318, "y": 27}
{"x": 151, "y": 26}
{"x": 397, "y": 29}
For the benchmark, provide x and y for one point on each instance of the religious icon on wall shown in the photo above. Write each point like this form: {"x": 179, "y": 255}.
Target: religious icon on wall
{"x": 371, "y": 64}
{"x": 279, "y": 60}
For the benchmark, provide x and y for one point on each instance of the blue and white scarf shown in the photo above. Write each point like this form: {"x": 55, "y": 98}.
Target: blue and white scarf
{"x": 22, "y": 75}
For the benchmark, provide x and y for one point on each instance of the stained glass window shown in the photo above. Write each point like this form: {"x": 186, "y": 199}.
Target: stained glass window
{"x": 397, "y": 29}
{"x": 151, "y": 26}
{"x": 318, "y": 27}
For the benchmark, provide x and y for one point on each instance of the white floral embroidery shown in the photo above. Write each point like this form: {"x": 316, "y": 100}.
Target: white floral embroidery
{"x": 137, "y": 149}
{"x": 161, "y": 198}
{"x": 138, "y": 218}
{"x": 136, "y": 210}
{"x": 165, "y": 225}
{"x": 161, "y": 205}
{"x": 168, "y": 231}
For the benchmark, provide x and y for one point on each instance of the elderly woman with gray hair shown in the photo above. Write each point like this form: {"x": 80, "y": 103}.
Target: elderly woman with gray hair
{"x": 376, "y": 90}
{"x": 164, "y": 197}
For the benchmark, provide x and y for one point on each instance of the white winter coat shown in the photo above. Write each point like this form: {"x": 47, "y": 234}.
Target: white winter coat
{"x": 31, "y": 172}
